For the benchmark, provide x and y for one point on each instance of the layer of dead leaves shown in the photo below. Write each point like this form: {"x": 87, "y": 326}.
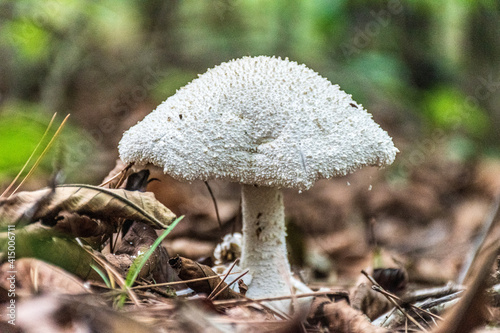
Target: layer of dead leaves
{"x": 419, "y": 233}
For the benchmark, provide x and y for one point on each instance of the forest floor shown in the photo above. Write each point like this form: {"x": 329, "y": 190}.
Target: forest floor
{"x": 428, "y": 240}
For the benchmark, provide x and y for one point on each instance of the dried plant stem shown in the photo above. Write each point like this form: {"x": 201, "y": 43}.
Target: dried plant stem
{"x": 211, "y": 296}
{"x": 277, "y": 298}
{"x": 179, "y": 282}
{"x": 215, "y": 204}
{"x": 435, "y": 292}
{"x": 123, "y": 177}
{"x": 479, "y": 240}
{"x": 121, "y": 173}
{"x": 29, "y": 158}
{"x": 228, "y": 285}
{"x": 39, "y": 159}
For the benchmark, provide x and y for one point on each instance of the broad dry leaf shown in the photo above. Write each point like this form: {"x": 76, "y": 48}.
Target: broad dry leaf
{"x": 83, "y": 313}
{"x": 35, "y": 276}
{"x": 93, "y": 201}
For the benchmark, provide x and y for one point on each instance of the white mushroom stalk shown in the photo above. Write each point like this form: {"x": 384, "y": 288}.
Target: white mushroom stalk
{"x": 265, "y": 122}
{"x": 264, "y": 243}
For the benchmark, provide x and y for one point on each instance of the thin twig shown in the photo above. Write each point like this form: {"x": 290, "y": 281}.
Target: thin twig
{"x": 215, "y": 204}
{"x": 179, "y": 282}
{"x": 125, "y": 169}
{"x": 443, "y": 299}
{"x": 276, "y": 298}
{"x": 229, "y": 285}
{"x": 387, "y": 317}
{"x": 122, "y": 178}
{"x": 435, "y": 292}
{"x": 223, "y": 279}
{"x": 479, "y": 240}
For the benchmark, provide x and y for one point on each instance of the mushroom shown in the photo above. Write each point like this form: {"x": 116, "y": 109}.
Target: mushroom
{"x": 267, "y": 123}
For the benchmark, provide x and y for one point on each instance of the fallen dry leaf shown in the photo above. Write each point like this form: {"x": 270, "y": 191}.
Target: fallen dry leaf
{"x": 394, "y": 280}
{"x": 36, "y": 276}
{"x": 339, "y": 317}
{"x": 138, "y": 239}
{"x": 82, "y": 226}
{"x": 62, "y": 314}
{"x": 95, "y": 202}
{"x": 370, "y": 302}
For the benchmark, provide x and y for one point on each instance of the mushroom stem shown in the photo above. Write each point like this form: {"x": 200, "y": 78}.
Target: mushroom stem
{"x": 264, "y": 246}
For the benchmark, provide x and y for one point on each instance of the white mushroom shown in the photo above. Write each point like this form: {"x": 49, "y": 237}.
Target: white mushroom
{"x": 267, "y": 123}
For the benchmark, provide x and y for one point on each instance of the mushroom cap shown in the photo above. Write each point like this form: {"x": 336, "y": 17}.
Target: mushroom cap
{"x": 259, "y": 120}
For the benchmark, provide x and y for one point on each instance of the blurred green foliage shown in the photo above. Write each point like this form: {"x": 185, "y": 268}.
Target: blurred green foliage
{"x": 15, "y": 127}
{"x": 449, "y": 109}
{"x": 420, "y": 65}
{"x": 22, "y": 126}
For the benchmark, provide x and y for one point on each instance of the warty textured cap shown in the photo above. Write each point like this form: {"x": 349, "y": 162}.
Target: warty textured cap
{"x": 259, "y": 120}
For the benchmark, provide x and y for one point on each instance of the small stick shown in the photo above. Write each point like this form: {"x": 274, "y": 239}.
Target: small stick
{"x": 179, "y": 282}
{"x": 223, "y": 279}
{"x": 387, "y": 317}
{"x": 125, "y": 169}
{"x": 436, "y": 292}
{"x": 277, "y": 298}
{"x": 229, "y": 285}
{"x": 443, "y": 299}
{"x": 215, "y": 204}
{"x": 122, "y": 178}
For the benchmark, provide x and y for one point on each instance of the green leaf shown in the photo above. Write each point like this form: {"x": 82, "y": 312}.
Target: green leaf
{"x": 44, "y": 244}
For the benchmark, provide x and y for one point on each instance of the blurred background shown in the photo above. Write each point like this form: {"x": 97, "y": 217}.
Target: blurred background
{"x": 427, "y": 70}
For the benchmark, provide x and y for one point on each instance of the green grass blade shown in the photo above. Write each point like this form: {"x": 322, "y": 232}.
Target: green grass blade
{"x": 102, "y": 275}
{"x": 141, "y": 260}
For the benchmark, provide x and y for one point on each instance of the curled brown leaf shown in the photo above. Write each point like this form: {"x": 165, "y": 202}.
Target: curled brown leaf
{"x": 92, "y": 201}
{"x": 340, "y": 317}
{"x": 188, "y": 269}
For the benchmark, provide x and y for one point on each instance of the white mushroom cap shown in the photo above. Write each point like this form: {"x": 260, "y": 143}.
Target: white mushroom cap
{"x": 259, "y": 120}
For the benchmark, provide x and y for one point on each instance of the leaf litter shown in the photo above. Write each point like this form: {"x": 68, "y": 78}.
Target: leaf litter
{"x": 127, "y": 220}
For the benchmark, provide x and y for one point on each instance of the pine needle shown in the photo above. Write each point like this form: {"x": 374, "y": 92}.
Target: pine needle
{"x": 44, "y": 152}
{"x": 29, "y": 158}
